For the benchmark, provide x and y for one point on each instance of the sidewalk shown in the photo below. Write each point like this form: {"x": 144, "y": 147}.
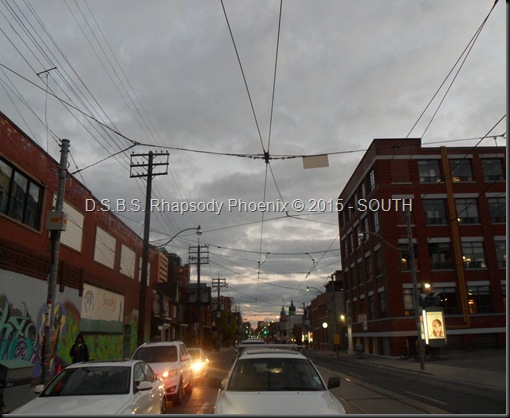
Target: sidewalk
{"x": 482, "y": 367}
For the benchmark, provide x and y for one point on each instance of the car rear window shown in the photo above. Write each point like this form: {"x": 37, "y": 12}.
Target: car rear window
{"x": 159, "y": 354}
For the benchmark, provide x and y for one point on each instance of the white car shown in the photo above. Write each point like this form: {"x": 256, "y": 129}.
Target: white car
{"x": 172, "y": 363}
{"x": 275, "y": 382}
{"x": 99, "y": 388}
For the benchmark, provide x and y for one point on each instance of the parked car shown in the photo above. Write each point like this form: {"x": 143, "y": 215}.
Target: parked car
{"x": 275, "y": 382}
{"x": 200, "y": 362}
{"x": 172, "y": 363}
{"x": 99, "y": 388}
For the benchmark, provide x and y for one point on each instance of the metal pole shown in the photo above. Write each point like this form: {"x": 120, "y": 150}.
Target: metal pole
{"x": 198, "y": 298}
{"x": 335, "y": 330}
{"x": 145, "y": 254}
{"x": 49, "y": 326}
{"x": 415, "y": 289}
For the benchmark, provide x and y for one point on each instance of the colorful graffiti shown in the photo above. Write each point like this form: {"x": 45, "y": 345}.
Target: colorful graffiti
{"x": 18, "y": 334}
{"x": 22, "y": 337}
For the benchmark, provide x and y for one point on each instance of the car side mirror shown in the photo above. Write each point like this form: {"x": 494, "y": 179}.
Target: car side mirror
{"x": 144, "y": 385}
{"x": 185, "y": 357}
{"x": 38, "y": 389}
{"x": 333, "y": 382}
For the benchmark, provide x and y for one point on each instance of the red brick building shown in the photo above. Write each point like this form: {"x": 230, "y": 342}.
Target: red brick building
{"x": 457, "y": 203}
{"x": 98, "y": 281}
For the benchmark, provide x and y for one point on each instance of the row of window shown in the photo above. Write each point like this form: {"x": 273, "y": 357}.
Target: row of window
{"x": 440, "y": 258}
{"x": 461, "y": 170}
{"x": 478, "y": 296}
{"x": 430, "y": 172}
{"x": 435, "y": 214}
{"x": 467, "y": 210}
{"x": 21, "y": 199}
{"x": 20, "y": 196}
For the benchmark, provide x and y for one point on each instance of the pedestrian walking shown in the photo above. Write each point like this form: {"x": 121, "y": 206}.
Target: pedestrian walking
{"x": 79, "y": 350}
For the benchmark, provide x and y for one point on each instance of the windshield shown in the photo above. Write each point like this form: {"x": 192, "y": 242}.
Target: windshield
{"x": 158, "y": 354}
{"x": 274, "y": 374}
{"x": 107, "y": 380}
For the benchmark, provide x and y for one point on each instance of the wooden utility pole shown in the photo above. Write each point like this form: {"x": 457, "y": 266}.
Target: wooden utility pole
{"x": 146, "y": 162}
{"x": 55, "y": 223}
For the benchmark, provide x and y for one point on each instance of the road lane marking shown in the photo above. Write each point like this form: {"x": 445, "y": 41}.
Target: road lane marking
{"x": 205, "y": 407}
{"x": 426, "y": 397}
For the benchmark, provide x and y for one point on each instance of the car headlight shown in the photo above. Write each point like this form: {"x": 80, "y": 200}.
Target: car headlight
{"x": 170, "y": 373}
{"x": 197, "y": 366}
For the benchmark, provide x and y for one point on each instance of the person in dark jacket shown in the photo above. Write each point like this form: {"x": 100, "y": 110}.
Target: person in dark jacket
{"x": 79, "y": 350}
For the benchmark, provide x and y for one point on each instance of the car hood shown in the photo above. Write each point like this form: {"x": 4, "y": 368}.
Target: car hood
{"x": 278, "y": 403}
{"x": 161, "y": 367}
{"x": 76, "y": 405}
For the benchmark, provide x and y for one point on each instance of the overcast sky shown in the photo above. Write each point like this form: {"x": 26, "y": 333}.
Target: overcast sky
{"x": 196, "y": 78}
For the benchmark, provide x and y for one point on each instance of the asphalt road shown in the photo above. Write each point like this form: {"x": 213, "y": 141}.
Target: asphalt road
{"x": 448, "y": 396}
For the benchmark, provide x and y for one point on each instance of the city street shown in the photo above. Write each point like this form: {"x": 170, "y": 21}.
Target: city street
{"x": 368, "y": 388}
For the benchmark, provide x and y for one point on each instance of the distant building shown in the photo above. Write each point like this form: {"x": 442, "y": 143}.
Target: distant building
{"x": 457, "y": 204}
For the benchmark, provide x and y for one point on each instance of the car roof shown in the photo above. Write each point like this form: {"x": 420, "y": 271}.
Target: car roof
{"x": 161, "y": 343}
{"x": 271, "y": 352}
{"x": 109, "y": 363}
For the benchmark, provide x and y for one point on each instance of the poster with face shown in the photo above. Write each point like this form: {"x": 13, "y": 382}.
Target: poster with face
{"x": 434, "y": 326}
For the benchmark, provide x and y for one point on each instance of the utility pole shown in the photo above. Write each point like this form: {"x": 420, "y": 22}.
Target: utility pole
{"x": 336, "y": 337}
{"x": 148, "y": 162}
{"x": 56, "y": 223}
{"x": 219, "y": 283}
{"x": 199, "y": 258}
{"x": 415, "y": 288}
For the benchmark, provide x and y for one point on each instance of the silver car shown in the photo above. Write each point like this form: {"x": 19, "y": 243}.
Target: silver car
{"x": 275, "y": 382}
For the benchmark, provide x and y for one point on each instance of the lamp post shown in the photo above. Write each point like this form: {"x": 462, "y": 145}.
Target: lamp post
{"x": 414, "y": 281}
{"x": 197, "y": 229}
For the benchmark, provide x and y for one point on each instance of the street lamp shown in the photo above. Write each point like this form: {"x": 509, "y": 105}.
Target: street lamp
{"x": 414, "y": 280}
{"x": 308, "y": 288}
{"x": 199, "y": 232}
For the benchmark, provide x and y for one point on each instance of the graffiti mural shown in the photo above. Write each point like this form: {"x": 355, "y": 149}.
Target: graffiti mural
{"x": 18, "y": 333}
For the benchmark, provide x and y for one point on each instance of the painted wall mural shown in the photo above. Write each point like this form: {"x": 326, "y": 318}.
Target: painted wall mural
{"x": 22, "y": 318}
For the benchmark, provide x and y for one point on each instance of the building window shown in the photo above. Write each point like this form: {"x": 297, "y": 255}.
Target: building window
{"x": 429, "y": 171}
{"x": 375, "y": 218}
{"x": 20, "y": 197}
{"x": 479, "y": 299}
{"x": 501, "y": 252}
{"x": 371, "y": 307}
{"x": 383, "y": 307}
{"x": 467, "y": 211}
{"x": 356, "y": 236}
{"x": 361, "y": 274}
{"x": 497, "y": 208}
{"x": 351, "y": 243}
{"x": 435, "y": 211}
{"x": 362, "y": 189}
{"x": 366, "y": 228}
{"x": 405, "y": 257}
{"x": 409, "y": 302}
{"x": 378, "y": 262}
{"x": 473, "y": 255}
{"x": 448, "y": 299}
{"x": 461, "y": 170}
{"x": 371, "y": 180}
{"x": 440, "y": 256}
{"x": 493, "y": 169}
{"x": 368, "y": 267}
